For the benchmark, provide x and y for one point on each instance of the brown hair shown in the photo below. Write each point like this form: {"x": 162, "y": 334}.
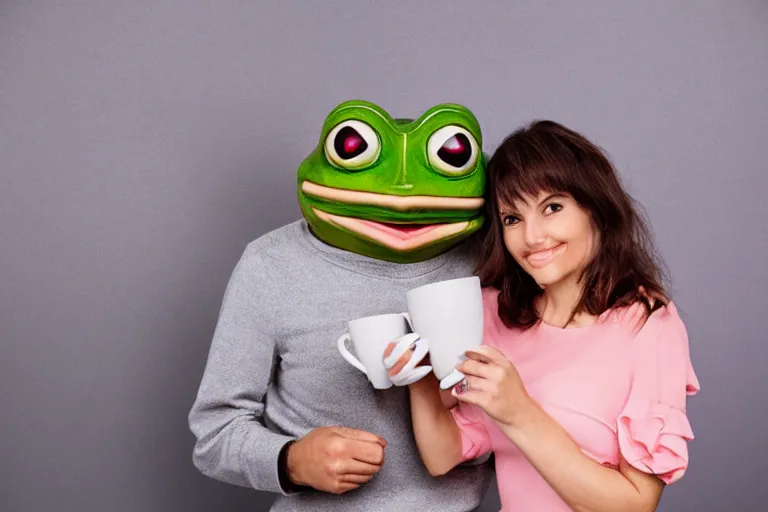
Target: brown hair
{"x": 548, "y": 157}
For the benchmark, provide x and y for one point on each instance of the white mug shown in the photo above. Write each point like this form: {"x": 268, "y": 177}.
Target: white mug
{"x": 449, "y": 316}
{"x": 369, "y": 337}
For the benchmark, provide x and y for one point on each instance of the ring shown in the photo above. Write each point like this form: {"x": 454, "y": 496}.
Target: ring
{"x": 463, "y": 386}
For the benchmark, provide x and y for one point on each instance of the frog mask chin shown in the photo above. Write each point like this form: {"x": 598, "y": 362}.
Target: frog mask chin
{"x": 394, "y": 189}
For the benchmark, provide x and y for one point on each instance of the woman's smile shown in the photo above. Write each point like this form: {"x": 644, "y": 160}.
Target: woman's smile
{"x": 543, "y": 257}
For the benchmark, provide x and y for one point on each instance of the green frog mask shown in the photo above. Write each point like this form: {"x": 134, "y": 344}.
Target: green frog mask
{"x": 399, "y": 190}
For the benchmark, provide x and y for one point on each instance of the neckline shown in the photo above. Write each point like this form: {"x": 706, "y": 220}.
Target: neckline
{"x": 601, "y": 320}
{"x": 544, "y": 325}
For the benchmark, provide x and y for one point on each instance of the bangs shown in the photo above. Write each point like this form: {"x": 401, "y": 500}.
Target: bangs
{"x": 529, "y": 164}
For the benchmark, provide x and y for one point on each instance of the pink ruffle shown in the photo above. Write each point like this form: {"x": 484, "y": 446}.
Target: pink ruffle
{"x": 656, "y": 440}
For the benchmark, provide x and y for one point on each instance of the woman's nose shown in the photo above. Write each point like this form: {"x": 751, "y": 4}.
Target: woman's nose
{"x": 534, "y": 232}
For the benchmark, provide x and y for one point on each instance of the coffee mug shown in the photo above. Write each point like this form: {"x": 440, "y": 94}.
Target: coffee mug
{"x": 449, "y": 316}
{"x": 369, "y": 337}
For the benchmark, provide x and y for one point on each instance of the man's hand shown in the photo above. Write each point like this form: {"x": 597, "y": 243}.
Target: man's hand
{"x": 335, "y": 459}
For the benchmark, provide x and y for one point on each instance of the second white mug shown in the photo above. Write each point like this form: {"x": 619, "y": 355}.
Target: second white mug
{"x": 369, "y": 337}
{"x": 449, "y": 315}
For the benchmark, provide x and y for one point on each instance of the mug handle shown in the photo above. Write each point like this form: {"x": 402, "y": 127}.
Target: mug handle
{"x": 346, "y": 354}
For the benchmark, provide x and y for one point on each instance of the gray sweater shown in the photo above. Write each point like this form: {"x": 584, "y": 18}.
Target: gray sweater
{"x": 274, "y": 373}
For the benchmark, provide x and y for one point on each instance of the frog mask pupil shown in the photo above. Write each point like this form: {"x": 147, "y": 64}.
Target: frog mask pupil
{"x": 456, "y": 151}
{"x": 349, "y": 143}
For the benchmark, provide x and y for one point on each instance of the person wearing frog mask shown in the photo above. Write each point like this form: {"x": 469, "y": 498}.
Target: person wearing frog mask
{"x": 387, "y": 204}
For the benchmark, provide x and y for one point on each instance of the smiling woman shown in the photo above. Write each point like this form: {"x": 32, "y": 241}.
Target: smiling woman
{"x": 552, "y": 186}
{"x": 550, "y": 236}
{"x": 397, "y": 190}
{"x": 580, "y": 386}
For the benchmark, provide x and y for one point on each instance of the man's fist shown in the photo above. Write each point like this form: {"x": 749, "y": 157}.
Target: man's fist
{"x": 335, "y": 459}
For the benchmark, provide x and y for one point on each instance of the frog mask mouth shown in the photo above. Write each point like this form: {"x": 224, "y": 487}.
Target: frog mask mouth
{"x": 398, "y": 190}
{"x": 398, "y": 236}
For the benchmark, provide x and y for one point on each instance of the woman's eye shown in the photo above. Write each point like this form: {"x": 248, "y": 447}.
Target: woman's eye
{"x": 510, "y": 220}
{"x": 553, "y": 208}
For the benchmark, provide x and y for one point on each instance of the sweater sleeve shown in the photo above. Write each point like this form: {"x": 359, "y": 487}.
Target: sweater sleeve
{"x": 227, "y": 418}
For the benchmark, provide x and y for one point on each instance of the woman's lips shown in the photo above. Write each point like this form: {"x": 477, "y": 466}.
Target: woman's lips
{"x": 542, "y": 258}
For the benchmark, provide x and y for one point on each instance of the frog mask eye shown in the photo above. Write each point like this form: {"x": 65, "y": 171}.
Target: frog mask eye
{"x": 352, "y": 145}
{"x": 452, "y": 151}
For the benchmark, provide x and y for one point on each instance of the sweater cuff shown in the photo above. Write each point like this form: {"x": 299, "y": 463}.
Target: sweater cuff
{"x": 262, "y": 457}
{"x": 287, "y": 487}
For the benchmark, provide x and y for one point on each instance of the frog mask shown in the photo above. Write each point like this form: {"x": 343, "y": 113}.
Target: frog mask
{"x": 394, "y": 189}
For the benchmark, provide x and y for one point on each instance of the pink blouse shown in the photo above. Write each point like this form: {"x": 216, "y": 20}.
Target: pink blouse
{"x": 619, "y": 388}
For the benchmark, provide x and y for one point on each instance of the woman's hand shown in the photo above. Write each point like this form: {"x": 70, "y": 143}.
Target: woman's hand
{"x": 395, "y": 367}
{"x": 493, "y": 384}
{"x": 402, "y": 356}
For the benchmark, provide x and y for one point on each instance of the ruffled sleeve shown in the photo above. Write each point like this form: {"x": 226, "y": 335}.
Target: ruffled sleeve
{"x": 653, "y": 428}
{"x": 475, "y": 441}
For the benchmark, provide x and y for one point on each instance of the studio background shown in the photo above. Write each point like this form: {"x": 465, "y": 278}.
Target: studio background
{"x": 143, "y": 144}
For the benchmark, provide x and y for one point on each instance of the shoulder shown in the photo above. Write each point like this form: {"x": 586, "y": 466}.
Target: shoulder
{"x": 288, "y": 234}
{"x": 271, "y": 253}
{"x": 635, "y": 318}
{"x": 662, "y": 345}
{"x": 274, "y": 244}
{"x": 664, "y": 321}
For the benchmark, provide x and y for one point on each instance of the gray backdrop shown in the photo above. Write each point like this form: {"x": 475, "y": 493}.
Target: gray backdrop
{"x": 144, "y": 143}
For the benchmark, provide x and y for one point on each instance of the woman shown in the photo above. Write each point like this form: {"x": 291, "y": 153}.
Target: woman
{"x": 580, "y": 386}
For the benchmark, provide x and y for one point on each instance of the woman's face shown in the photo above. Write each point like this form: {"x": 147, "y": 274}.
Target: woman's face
{"x": 550, "y": 236}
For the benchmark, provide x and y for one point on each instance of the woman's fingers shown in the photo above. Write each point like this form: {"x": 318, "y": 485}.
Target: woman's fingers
{"x": 486, "y": 354}
{"x": 475, "y": 368}
{"x": 471, "y": 384}
{"x": 403, "y": 352}
{"x": 417, "y": 350}
{"x": 399, "y": 364}
{"x": 401, "y": 348}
